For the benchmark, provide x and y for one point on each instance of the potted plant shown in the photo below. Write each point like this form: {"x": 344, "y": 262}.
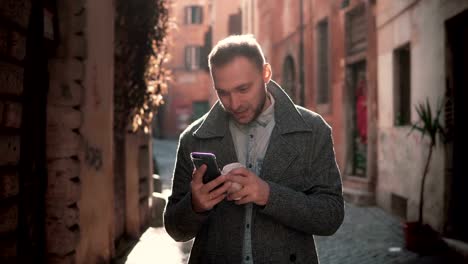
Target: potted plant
{"x": 420, "y": 237}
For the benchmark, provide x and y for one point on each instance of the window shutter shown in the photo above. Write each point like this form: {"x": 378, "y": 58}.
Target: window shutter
{"x": 200, "y": 15}
{"x": 198, "y": 54}
{"x": 187, "y": 58}
{"x": 323, "y": 63}
{"x": 356, "y": 31}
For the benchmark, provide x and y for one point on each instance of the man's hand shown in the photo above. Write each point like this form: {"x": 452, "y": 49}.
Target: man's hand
{"x": 204, "y": 196}
{"x": 254, "y": 190}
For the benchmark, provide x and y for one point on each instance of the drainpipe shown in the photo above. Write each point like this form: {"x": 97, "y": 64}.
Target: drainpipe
{"x": 301, "y": 53}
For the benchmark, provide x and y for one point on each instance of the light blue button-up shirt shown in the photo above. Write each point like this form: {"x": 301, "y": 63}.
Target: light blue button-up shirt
{"x": 251, "y": 142}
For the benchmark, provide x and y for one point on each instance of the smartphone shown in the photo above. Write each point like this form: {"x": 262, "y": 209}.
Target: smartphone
{"x": 200, "y": 158}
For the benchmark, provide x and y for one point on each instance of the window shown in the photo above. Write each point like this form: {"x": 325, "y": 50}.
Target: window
{"x": 323, "y": 64}
{"x": 192, "y": 57}
{"x": 208, "y": 39}
{"x": 356, "y": 31}
{"x": 235, "y": 23}
{"x": 193, "y": 14}
{"x": 402, "y": 86}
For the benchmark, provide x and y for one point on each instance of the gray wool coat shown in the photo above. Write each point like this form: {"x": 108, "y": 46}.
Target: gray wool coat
{"x": 305, "y": 190}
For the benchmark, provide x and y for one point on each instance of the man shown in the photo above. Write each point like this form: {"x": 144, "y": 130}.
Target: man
{"x": 291, "y": 186}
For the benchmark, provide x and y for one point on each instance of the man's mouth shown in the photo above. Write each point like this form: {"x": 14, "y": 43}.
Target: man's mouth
{"x": 240, "y": 114}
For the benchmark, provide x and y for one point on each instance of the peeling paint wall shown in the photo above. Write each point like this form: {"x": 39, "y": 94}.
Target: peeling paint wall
{"x": 401, "y": 157}
{"x": 97, "y": 204}
{"x": 138, "y": 177}
{"x": 401, "y": 163}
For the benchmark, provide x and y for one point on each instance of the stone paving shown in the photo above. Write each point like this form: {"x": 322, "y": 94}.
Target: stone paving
{"x": 165, "y": 153}
{"x": 368, "y": 234}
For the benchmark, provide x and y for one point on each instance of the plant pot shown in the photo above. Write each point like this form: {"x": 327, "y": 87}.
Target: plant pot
{"x": 421, "y": 238}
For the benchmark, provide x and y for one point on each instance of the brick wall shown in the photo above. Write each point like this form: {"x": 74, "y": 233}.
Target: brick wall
{"x": 64, "y": 141}
{"x": 78, "y": 225}
{"x": 14, "y": 17}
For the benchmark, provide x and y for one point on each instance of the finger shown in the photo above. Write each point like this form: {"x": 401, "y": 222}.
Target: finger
{"x": 240, "y": 194}
{"x": 238, "y": 179}
{"x": 216, "y": 201}
{"x": 221, "y": 190}
{"x": 208, "y": 187}
{"x": 244, "y": 200}
{"x": 240, "y": 171}
{"x": 197, "y": 176}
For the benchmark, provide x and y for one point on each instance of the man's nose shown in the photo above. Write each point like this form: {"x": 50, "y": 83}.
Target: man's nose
{"x": 234, "y": 103}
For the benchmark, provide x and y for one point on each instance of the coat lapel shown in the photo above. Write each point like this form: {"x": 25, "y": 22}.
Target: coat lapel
{"x": 280, "y": 153}
{"x": 226, "y": 150}
{"x": 279, "y": 156}
{"x": 217, "y": 136}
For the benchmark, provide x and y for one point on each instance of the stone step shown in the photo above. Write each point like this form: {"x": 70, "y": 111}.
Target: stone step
{"x": 359, "y": 197}
{"x": 357, "y": 183}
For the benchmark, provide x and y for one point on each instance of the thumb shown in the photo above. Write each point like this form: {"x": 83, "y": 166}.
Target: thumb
{"x": 197, "y": 176}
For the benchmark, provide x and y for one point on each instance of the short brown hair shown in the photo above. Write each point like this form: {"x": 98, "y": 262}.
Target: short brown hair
{"x": 234, "y": 46}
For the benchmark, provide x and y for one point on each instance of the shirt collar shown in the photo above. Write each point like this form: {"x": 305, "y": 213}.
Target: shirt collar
{"x": 266, "y": 116}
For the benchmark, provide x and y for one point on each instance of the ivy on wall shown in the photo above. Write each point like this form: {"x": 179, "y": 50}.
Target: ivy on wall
{"x": 141, "y": 51}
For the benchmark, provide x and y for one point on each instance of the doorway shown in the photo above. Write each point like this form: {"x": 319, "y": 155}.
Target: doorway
{"x": 356, "y": 119}
{"x": 456, "y": 112}
{"x": 289, "y": 77}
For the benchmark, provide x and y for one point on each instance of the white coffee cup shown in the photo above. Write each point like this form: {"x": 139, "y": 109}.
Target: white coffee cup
{"x": 226, "y": 169}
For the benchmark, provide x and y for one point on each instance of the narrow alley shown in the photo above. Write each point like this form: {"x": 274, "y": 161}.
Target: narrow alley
{"x": 368, "y": 235}
{"x": 325, "y": 101}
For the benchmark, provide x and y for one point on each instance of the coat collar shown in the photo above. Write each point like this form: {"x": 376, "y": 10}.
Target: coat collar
{"x": 287, "y": 117}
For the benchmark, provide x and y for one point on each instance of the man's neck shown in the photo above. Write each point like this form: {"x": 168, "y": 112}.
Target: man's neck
{"x": 267, "y": 102}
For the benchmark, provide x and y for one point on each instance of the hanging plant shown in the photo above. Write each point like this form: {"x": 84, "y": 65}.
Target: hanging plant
{"x": 141, "y": 52}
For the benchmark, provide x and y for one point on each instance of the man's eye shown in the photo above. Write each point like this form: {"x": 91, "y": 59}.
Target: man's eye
{"x": 244, "y": 89}
{"x": 222, "y": 93}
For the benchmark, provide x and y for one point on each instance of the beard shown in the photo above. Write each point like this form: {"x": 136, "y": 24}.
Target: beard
{"x": 258, "y": 108}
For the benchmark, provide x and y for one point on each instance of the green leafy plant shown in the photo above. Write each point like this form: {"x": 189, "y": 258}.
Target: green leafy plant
{"x": 141, "y": 52}
{"x": 428, "y": 125}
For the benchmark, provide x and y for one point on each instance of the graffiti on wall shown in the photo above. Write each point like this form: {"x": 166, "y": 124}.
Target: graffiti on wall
{"x": 93, "y": 157}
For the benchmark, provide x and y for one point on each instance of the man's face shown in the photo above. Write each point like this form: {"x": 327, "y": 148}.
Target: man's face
{"x": 241, "y": 88}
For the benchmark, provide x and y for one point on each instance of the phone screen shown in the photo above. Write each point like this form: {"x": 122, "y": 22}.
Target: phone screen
{"x": 200, "y": 158}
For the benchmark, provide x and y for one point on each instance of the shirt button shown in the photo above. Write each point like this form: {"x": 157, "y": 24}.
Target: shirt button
{"x": 250, "y": 165}
{"x": 292, "y": 257}
{"x": 247, "y": 258}
{"x": 251, "y": 136}
{"x": 248, "y": 226}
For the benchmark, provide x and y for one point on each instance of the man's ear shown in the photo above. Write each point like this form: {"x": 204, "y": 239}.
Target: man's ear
{"x": 266, "y": 73}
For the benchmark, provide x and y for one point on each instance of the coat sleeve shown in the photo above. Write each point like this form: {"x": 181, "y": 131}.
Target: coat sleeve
{"x": 319, "y": 209}
{"x": 180, "y": 221}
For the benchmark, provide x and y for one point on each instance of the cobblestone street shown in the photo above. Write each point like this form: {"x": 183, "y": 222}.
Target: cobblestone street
{"x": 368, "y": 234}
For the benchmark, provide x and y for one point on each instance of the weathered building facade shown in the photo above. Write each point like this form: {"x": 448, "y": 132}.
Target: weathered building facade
{"x": 323, "y": 54}
{"x": 57, "y": 195}
{"x": 200, "y": 24}
{"x": 422, "y": 55}
{"x": 364, "y": 65}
